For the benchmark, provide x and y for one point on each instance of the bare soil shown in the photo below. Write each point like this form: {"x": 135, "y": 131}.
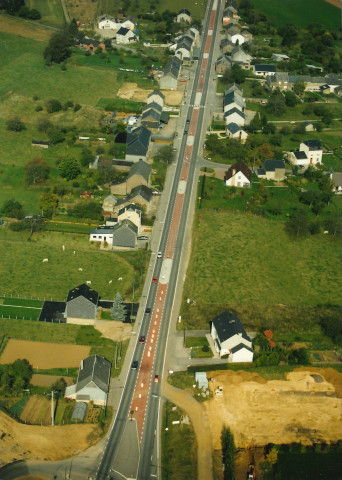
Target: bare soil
{"x": 131, "y": 91}
{"x": 114, "y": 330}
{"x": 37, "y": 411}
{"x": 47, "y": 380}
{"x": 336, "y": 3}
{"x": 44, "y": 355}
{"x": 305, "y": 408}
{"x": 18, "y": 441}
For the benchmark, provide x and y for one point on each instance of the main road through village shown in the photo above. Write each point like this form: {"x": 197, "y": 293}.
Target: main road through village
{"x": 131, "y": 449}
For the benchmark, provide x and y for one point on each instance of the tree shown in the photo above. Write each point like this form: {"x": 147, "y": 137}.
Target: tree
{"x": 165, "y": 153}
{"x": 289, "y": 34}
{"x": 228, "y": 452}
{"x": 298, "y": 224}
{"x": 59, "y": 386}
{"x": 276, "y": 103}
{"x": 58, "y": 49}
{"x": 36, "y": 171}
{"x": 55, "y": 135}
{"x": 69, "y": 167}
{"x": 299, "y": 87}
{"x": 333, "y": 224}
{"x": 53, "y": 106}
{"x": 86, "y": 157}
{"x": 48, "y": 203}
{"x": 43, "y": 124}
{"x": 269, "y": 128}
{"x": 34, "y": 14}
{"x": 290, "y": 99}
{"x": 272, "y": 456}
{"x": 118, "y": 310}
{"x": 13, "y": 209}
{"x": 11, "y": 6}
{"x": 15, "y": 125}
{"x": 265, "y": 151}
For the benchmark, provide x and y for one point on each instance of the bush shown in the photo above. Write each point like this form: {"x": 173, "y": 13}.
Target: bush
{"x": 53, "y": 106}
{"x": 15, "y": 125}
{"x": 39, "y": 108}
{"x": 77, "y": 107}
{"x": 90, "y": 209}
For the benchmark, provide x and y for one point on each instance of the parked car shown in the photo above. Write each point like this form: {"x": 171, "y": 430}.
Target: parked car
{"x": 159, "y": 255}
{"x": 156, "y": 379}
{"x": 147, "y": 310}
{"x": 143, "y": 237}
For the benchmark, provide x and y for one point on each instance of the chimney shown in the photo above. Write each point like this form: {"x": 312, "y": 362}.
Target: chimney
{"x": 234, "y": 172}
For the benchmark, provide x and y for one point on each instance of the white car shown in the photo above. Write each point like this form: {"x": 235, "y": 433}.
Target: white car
{"x": 159, "y": 255}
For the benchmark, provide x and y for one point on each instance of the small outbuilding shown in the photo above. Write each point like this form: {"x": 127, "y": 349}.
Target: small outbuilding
{"x": 201, "y": 379}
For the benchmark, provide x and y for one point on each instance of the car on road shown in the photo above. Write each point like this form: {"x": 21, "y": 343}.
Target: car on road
{"x": 154, "y": 279}
{"x": 159, "y": 255}
{"x": 143, "y": 237}
{"x": 142, "y": 339}
{"x": 147, "y": 310}
{"x": 135, "y": 364}
{"x": 156, "y": 379}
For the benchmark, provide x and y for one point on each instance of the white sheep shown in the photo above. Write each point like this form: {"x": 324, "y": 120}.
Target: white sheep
{"x": 80, "y": 269}
{"x": 74, "y": 252}
{"x": 110, "y": 281}
{"x": 63, "y": 246}
{"x": 45, "y": 260}
{"x": 88, "y": 282}
{"x": 120, "y": 278}
{"x": 326, "y": 232}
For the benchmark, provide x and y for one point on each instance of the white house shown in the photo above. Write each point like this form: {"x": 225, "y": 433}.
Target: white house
{"x": 106, "y": 22}
{"x": 234, "y": 115}
{"x": 336, "y": 178}
{"x": 130, "y": 212}
{"x": 183, "y": 16}
{"x": 92, "y": 382}
{"x": 234, "y": 131}
{"x": 264, "y": 70}
{"x": 238, "y": 175}
{"x": 129, "y": 22}
{"x": 102, "y": 234}
{"x": 298, "y": 158}
{"x": 234, "y": 35}
{"x": 230, "y": 338}
{"x": 125, "y": 35}
{"x": 313, "y": 150}
{"x": 274, "y": 169}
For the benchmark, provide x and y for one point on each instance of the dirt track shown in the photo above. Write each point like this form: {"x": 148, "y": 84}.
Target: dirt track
{"x": 336, "y": 3}
{"x": 305, "y": 408}
{"x": 200, "y": 423}
{"x": 40, "y": 443}
{"x": 44, "y": 355}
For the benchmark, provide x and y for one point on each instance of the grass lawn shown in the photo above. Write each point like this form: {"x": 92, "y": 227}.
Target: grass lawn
{"x": 196, "y": 342}
{"x": 19, "y": 312}
{"x": 249, "y": 264}
{"x": 23, "y": 72}
{"x": 22, "y": 302}
{"x": 294, "y": 113}
{"x": 179, "y": 447}
{"x": 120, "y": 104}
{"x": 301, "y": 13}
{"x": 196, "y": 8}
{"x": 55, "y": 278}
{"x": 309, "y": 465}
{"x": 50, "y": 10}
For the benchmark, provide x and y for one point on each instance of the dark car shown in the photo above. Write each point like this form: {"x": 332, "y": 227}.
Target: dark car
{"x": 142, "y": 339}
{"x": 147, "y": 310}
{"x": 135, "y": 364}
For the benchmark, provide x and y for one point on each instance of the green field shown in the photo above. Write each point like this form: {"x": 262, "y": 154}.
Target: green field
{"x": 22, "y": 302}
{"x": 249, "y": 263}
{"x": 179, "y": 447}
{"x": 196, "y": 8}
{"x": 60, "y": 274}
{"x": 309, "y": 465}
{"x": 50, "y": 10}
{"x": 19, "y": 312}
{"x": 300, "y": 13}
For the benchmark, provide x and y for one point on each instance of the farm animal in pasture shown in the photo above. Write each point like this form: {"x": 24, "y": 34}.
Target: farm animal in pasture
{"x": 45, "y": 260}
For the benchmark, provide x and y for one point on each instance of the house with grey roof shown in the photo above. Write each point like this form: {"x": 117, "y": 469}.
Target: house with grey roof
{"x": 298, "y": 158}
{"x": 230, "y": 16}
{"x": 226, "y": 46}
{"x": 156, "y": 96}
{"x": 140, "y": 195}
{"x": 184, "y": 47}
{"x": 264, "y": 70}
{"x": 274, "y": 169}
{"x": 239, "y": 57}
{"x": 235, "y": 131}
{"x": 313, "y": 150}
{"x": 230, "y": 338}
{"x": 125, "y": 234}
{"x": 234, "y": 115}
{"x": 234, "y": 35}
{"x": 278, "y": 80}
{"x": 233, "y": 99}
{"x": 125, "y": 35}
{"x": 92, "y": 382}
{"x": 169, "y": 79}
{"x": 102, "y": 234}
{"x": 137, "y": 144}
{"x": 233, "y": 87}
{"x": 139, "y": 174}
{"x": 280, "y": 57}
{"x": 81, "y": 305}
{"x": 222, "y": 64}
{"x": 150, "y": 117}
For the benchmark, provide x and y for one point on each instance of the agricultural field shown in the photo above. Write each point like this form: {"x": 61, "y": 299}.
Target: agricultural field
{"x": 44, "y": 355}
{"x": 49, "y": 280}
{"x": 13, "y": 25}
{"x": 39, "y": 380}
{"x": 249, "y": 263}
{"x": 37, "y": 411}
{"x": 50, "y": 10}
{"x": 301, "y": 13}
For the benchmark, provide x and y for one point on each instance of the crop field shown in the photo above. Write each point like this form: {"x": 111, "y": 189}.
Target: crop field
{"x": 37, "y": 411}
{"x": 240, "y": 260}
{"x": 48, "y": 380}
{"x": 44, "y": 355}
{"x": 49, "y": 280}
{"x": 300, "y": 13}
{"x": 50, "y": 10}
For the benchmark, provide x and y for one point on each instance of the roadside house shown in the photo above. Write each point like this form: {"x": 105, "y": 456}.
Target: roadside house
{"x": 157, "y": 97}
{"x": 222, "y": 64}
{"x": 137, "y": 144}
{"x": 238, "y": 175}
{"x": 226, "y": 46}
{"x": 132, "y": 213}
{"x": 239, "y": 57}
{"x": 313, "y": 150}
{"x": 81, "y": 305}
{"x": 234, "y": 115}
{"x": 230, "y": 338}
{"x": 102, "y": 234}
{"x": 234, "y": 35}
{"x": 169, "y": 80}
{"x": 140, "y": 195}
{"x": 124, "y": 36}
{"x": 125, "y": 234}
{"x": 235, "y": 131}
{"x": 91, "y": 45}
{"x": 92, "y": 382}
{"x": 184, "y": 16}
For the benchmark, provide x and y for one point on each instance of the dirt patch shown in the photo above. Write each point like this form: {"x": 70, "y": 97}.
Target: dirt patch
{"x": 336, "y": 3}
{"x": 83, "y": 10}
{"x": 131, "y": 91}
{"x": 258, "y": 411}
{"x": 114, "y": 330}
{"x": 44, "y": 355}
{"x": 27, "y": 30}
{"x": 18, "y": 441}
{"x": 47, "y": 380}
